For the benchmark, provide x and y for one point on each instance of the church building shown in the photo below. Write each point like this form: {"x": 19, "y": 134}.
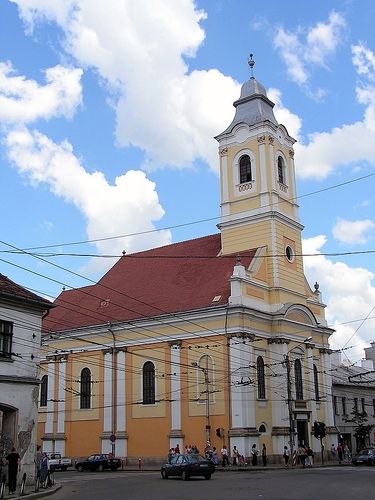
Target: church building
{"x": 217, "y": 339}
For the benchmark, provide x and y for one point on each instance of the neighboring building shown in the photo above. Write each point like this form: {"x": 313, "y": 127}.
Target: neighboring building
{"x": 21, "y": 314}
{"x": 203, "y": 339}
{"x": 353, "y": 389}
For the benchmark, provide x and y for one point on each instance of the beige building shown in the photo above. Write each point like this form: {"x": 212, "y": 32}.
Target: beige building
{"x": 219, "y": 338}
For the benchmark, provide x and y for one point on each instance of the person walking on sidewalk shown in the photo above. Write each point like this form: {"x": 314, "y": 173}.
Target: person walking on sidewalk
{"x": 310, "y": 457}
{"x": 254, "y": 455}
{"x": 234, "y": 455}
{"x": 264, "y": 455}
{"x": 13, "y": 460}
{"x": 224, "y": 456}
{"x": 286, "y": 456}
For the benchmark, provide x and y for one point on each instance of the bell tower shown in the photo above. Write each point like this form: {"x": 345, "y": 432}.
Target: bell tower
{"x": 258, "y": 193}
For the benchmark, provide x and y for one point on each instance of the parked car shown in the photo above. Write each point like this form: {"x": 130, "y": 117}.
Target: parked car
{"x": 57, "y": 462}
{"x": 187, "y": 466}
{"x": 366, "y": 456}
{"x": 98, "y": 462}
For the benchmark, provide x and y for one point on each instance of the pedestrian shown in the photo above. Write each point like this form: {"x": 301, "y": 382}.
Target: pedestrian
{"x": 339, "y": 453}
{"x": 346, "y": 453}
{"x": 170, "y": 455}
{"x": 38, "y": 460}
{"x": 286, "y": 456}
{"x": 301, "y": 454}
{"x": 215, "y": 456}
{"x": 177, "y": 449}
{"x": 264, "y": 455}
{"x": 310, "y": 457}
{"x": 234, "y": 455}
{"x": 13, "y": 460}
{"x": 44, "y": 470}
{"x": 254, "y": 455}
{"x": 333, "y": 451}
{"x": 224, "y": 456}
{"x": 186, "y": 451}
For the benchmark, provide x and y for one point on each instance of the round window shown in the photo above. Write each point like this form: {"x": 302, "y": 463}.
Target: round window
{"x": 289, "y": 253}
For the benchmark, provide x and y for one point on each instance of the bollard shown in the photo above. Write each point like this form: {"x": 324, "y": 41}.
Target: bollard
{"x": 139, "y": 463}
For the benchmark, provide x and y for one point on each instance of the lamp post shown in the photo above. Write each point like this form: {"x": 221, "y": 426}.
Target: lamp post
{"x": 289, "y": 396}
{"x": 114, "y": 393}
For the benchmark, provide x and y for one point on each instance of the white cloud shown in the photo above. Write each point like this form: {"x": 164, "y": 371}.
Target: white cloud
{"x": 130, "y": 205}
{"x": 303, "y": 49}
{"x": 348, "y": 144}
{"x": 24, "y": 101}
{"x": 351, "y": 296}
{"x": 140, "y": 49}
{"x": 350, "y": 232}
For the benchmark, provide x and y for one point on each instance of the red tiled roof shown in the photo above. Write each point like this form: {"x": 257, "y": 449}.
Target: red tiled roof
{"x": 171, "y": 279}
{"x": 10, "y": 290}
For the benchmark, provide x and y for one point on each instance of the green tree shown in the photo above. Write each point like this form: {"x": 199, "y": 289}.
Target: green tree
{"x": 362, "y": 430}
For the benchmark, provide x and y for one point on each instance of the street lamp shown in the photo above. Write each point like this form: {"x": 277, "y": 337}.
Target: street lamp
{"x": 289, "y": 393}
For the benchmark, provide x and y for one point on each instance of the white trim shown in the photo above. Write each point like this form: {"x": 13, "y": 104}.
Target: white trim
{"x": 175, "y": 395}
{"x": 61, "y": 397}
{"x": 121, "y": 394}
{"x": 107, "y": 394}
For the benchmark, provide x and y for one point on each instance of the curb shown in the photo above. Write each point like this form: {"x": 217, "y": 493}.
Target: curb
{"x": 39, "y": 494}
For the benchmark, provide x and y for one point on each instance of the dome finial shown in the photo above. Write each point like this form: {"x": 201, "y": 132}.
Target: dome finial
{"x": 251, "y": 63}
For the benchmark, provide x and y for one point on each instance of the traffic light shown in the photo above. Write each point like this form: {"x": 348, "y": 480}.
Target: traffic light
{"x": 319, "y": 429}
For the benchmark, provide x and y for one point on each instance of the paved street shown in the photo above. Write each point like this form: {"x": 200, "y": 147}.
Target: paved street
{"x": 344, "y": 483}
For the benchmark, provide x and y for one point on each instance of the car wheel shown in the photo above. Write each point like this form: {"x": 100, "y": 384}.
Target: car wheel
{"x": 79, "y": 468}
{"x": 64, "y": 468}
{"x": 207, "y": 476}
{"x": 100, "y": 468}
{"x": 184, "y": 475}
{"x": 164, "y": 474}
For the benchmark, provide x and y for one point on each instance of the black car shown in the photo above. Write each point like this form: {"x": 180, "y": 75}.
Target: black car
{"x": 187, "y": 466}
{"x": 98, "y": 462}
{"x": 366, "y": 456}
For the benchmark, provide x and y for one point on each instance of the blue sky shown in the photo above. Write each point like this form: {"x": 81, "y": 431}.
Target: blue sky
{"x": 107, "y": 117}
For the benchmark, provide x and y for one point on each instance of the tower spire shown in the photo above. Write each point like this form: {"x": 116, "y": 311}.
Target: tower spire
{"x": 251, "y": 63}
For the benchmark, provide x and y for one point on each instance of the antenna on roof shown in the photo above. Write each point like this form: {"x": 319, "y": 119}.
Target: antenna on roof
{"x": 251, "y": 63}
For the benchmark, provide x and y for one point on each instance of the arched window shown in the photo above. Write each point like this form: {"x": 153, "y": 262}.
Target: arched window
{"x": 262, "y": 428}
{"x": 261, "y": 379}
{"x": 148, "y": 383}
{"x": 205, "y": 378}
{"x": 43, "y": 390}
{"x": 245, "y": 169}
{"x": 281, "y": 170}
{"x": 298, "y": 379}
{"x": 85, "y": 389}
{"x": 316, "y": 383}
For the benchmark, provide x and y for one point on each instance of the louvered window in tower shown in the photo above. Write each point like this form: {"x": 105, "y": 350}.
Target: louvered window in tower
{"x": 148, "y": 383}
{"x": 245, "y": 169}
{"x": 316, "y": 384}
{"x": 281, "y": 170}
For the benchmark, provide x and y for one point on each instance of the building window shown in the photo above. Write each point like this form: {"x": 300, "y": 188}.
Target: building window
{"x": 343, "y": 402}
{"x": 148, "y": 383}
{"x": 316, "y": 383}
{"x": 245, "y": 169}
{"x": 261, "y": 378}
{"x": 363, "y": 406}
{"x": 355, "y": 407}
{"x": 43, "y": 390}
{"x": 262, "y": 428}
{"x": 335, "y": 408}
{"x": 281, "y": 170}
{"x": 85, "y": 389}
{"x": 298, "y": 379}
{"x": 6, "y": 333}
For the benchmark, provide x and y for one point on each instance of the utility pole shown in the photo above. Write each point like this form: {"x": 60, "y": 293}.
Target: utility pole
{"x": 114, "y": 392}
